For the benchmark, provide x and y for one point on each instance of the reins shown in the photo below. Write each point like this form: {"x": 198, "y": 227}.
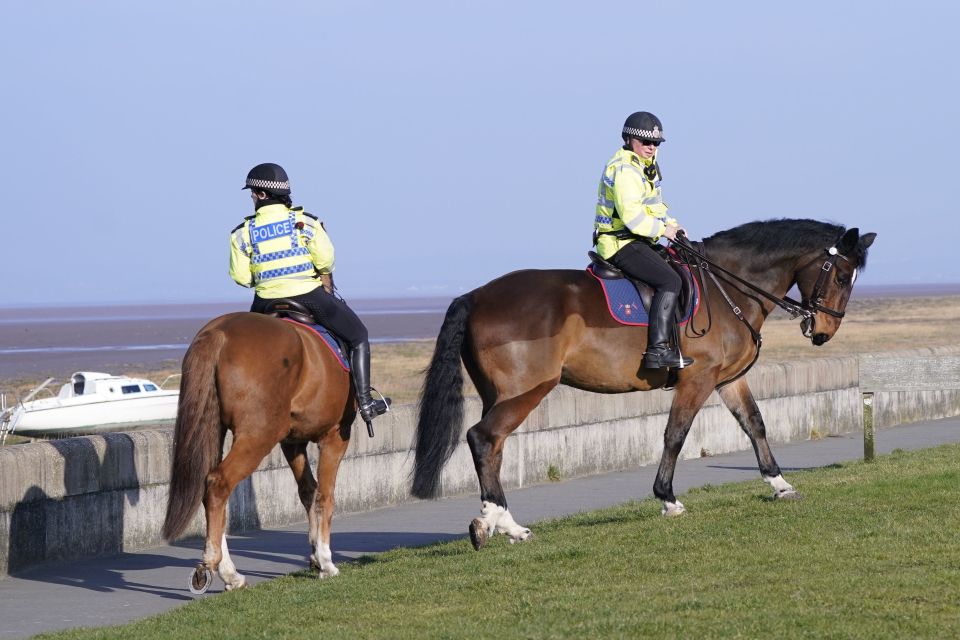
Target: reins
{"x": 804, "y": 310}
{"x": 791, "y": 306}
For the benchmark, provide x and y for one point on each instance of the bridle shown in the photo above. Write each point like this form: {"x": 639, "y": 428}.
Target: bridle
{"x": 805, "y": 309}
{"x": 815, "y": 301}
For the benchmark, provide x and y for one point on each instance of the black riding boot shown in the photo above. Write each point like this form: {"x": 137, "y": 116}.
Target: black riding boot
{"x": 660, "y": 355}
{"x": 370, "y": 407}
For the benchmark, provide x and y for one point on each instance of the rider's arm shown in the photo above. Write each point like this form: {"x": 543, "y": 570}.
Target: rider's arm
{"x": 239, "y": 260}
{"x": 638, "y": 203}
{"x": 318, "y": 242}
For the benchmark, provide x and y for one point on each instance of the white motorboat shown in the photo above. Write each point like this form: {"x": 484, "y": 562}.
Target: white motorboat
{"x": 91, "y": 401}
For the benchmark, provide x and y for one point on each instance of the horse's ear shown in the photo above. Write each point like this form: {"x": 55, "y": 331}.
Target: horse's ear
{"x": 849, "y": 240}
{"x": 867, "y": 239}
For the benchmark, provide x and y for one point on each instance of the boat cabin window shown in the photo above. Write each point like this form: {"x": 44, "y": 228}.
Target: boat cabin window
{"x": 130, "y": 388}
{"x": 149, "y": 387}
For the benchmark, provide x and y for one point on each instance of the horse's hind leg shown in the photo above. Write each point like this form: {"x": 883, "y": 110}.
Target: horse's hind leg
{"x": 332, "y": 447}
{"x": 486, "y": 440}
{"x": 245, "y": 454}
{"x": 296, "y": 455}
{"x": 738, "y": 398}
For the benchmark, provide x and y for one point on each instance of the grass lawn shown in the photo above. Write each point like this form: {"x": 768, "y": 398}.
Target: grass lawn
{"x": 872, "y": 552}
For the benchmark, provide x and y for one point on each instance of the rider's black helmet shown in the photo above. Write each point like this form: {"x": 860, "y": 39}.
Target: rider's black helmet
{"x": 268, "y": 177}
{"x": 643, "y": 125}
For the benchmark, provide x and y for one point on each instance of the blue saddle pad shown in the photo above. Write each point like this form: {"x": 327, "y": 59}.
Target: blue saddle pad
{"x": 626, "y": 306}
{"x": 328, "y": 339}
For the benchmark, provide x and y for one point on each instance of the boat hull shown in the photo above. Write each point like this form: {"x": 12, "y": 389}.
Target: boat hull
{"x": 61, "y": 416}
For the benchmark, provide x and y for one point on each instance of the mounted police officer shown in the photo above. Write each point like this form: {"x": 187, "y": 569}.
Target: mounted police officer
{"x": 284, "y": 252}
{"x": 631, "y": 217}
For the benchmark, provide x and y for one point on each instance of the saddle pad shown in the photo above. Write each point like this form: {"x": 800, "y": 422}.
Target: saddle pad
{"x": 626, "y": 306}
{"x": 328, "y": 340}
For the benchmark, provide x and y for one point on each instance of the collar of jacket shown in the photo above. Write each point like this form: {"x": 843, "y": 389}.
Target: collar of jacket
{"x": 271, "y": 208}
{"x": 630, "y": 156}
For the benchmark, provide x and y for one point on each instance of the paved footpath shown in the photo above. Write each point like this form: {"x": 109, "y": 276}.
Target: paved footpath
{"x": 129, "y": 586}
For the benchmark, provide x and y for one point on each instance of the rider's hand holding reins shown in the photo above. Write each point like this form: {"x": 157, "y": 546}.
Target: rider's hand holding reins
{"x": 670, "y": 233}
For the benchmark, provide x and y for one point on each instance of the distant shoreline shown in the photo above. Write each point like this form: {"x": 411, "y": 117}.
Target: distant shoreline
{"x": 368, "y": 306}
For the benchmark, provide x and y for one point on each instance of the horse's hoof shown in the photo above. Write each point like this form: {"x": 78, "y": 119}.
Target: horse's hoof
{"x": 240, "y": 585}
{"x": 328, "y": 573}
{"x": 478, "y": 533}
{"x": 673, "y": 509}
{"x": 787, "y": 495}
{"x": 200, "y": 580}
{"x": 523, "y": 536}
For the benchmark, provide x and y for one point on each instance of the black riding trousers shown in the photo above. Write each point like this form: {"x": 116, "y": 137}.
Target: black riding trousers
{"x": 641, "y": 261}
{"x": 332, "y": 312}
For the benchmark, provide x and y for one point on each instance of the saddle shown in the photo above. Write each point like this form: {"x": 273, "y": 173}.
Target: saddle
{"x": 285, "y": 308}
{"x": 292, "y": 311}
{"x": 623, "y": 293}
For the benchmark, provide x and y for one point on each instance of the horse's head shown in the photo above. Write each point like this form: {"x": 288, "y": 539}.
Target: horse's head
{"x": 826, "y": 280}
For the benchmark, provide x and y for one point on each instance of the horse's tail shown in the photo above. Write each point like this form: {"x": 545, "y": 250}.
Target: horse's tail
{"x": 441, "y": 402}
{"x": 197, "y": 437}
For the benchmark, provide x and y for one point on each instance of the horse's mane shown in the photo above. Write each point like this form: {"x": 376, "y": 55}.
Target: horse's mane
{"x": 784, "y": 235}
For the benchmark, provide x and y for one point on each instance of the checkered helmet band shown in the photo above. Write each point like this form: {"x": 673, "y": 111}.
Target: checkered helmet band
{"x": 267, "y": 184}
{"x": 642, "y": 133}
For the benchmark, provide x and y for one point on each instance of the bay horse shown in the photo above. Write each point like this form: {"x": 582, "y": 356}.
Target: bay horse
{"x": 267, "y": 381}
{"x": 524, "y": 333}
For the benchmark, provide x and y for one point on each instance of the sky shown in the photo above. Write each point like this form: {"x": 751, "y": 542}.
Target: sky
{"x": 446, "y": 143}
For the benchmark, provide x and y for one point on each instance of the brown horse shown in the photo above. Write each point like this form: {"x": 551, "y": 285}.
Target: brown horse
{"x": 266, "y": 381}
{"x": 523, "y": 333}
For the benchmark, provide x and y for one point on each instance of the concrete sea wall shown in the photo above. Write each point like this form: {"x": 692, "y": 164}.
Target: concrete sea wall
{"x": 97, "y": 495}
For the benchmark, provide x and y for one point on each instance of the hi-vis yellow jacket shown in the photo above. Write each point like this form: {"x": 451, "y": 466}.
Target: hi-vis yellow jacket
{"x": 628, "y": 201}
{"x": 280, "y": 251}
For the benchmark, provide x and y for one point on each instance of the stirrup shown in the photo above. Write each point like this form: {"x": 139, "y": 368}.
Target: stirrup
{"x": 665, "y": 358}
{"x": 376, "y": 407}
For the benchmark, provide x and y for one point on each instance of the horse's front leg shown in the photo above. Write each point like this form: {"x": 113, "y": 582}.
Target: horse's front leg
{"x": 332, "y": 447}
{"x": 738, "y": 398}
{"x": 690, "y": 396}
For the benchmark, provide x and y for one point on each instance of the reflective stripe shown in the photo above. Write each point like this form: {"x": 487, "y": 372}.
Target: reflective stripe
{"x": 603, "y": 220}
{"x": 603, "y": 202}
{"x": 292, "y": 218}
{"x": 627, "y": 165}
{"x": 240, "y": 240}
{"x": 654, "y": 199}
{"x": 285, "y": 271}
{"x": 253, "y": 245}
{"x": 280, "y": 255}
{"x": 607, "y": 180}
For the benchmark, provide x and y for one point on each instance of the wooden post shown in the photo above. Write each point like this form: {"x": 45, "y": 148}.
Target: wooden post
{"x": 868, "y": 431}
